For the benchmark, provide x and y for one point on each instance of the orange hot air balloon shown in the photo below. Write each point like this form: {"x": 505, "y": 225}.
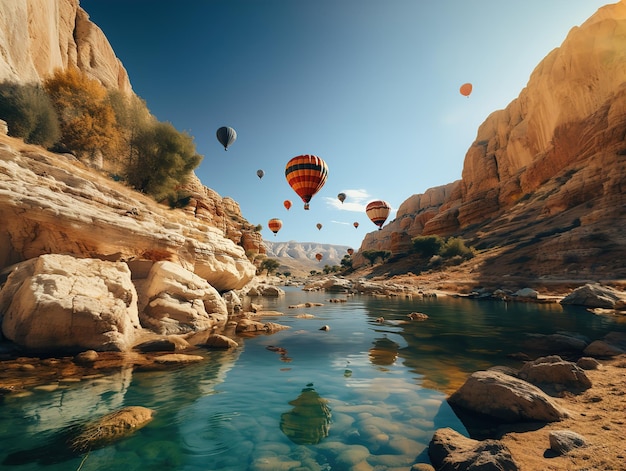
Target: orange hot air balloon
{"x": 319, "y": 226}
{"x": 356, "y": 225}
{"x": 287, "y": 204}
{"x": 306, "y": 174}
{"x": 466, "y": 89}
{"x": 378, "y": 211}
{"x": 350, "y": 251}
{"x": 274, "y": 225}
{"x": 319, "y": 256}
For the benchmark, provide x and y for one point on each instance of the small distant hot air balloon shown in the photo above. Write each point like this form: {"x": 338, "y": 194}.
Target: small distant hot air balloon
{"x": 287, "y": 204}
{"x": 260, "y": 173}
{"x": 319, "y": 256}
{"x": 274, "y": 225}
{"x": 306, "y": 174}
{"x": 350, "y": 251}
{"x": 319, "y": 226}
{"x": 355, "y": 224}
{"x": 341, "y": 197}
{"x": 226, "y": 136}
{"x": 466, "y": 89}
{"x": 378, "y": 211}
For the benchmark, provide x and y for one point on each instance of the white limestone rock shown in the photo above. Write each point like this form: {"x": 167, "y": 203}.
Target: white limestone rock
{"x": 62, "y": 302}
{"x": 174, "y": 301}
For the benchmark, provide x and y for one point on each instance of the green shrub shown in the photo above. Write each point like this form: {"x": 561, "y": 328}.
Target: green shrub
{"x": 29, "y": 113}
{"x": 427, "y": 246}
{"x": 456, "y": 246}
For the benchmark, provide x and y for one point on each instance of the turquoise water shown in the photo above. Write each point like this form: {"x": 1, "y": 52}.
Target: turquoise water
{"x": 362, "y": 395}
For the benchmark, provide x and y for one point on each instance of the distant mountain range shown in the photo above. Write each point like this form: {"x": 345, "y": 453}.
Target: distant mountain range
{"x": 299, "y": 257}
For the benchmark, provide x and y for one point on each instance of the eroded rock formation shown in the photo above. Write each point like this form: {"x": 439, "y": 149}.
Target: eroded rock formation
{"x": 544, "y": 180}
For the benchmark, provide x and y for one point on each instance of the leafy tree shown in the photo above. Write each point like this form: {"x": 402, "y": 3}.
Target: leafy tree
{"x": 87, "y": 118}
{"x": 29, "y": 114}
{"x": 165, "y": 158}
{"x": 270, "y": 265}
{"x": 346, "y": 261}
{"x": 133, "y": 117}
{"x": 287, "y": 274}
{"x": 427, "y": 246}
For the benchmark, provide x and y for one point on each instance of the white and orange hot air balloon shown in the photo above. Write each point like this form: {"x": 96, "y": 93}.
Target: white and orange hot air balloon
{"x": 274, "y": 224}
{"x": 378, "y": 211}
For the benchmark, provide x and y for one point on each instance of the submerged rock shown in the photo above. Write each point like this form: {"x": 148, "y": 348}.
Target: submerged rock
{"x": 308, "y": 423}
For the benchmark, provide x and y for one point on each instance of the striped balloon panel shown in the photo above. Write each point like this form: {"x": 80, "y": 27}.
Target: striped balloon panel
{"x": 306, "y": 174}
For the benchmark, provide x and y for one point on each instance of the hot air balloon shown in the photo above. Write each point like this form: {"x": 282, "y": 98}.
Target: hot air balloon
{"x": 226, "y": 136}
{"x": 355, "y": 224}
{"x": 260, "y": 173}
{"x": 274, "y": 225}
{"x": 306, "y": 174}
{"x": 350, "y": 251}
{"x": 466, "y": 89}
{"x": 378, "y": 211}
{"x": 319, "y": 256}
{"x": 341, "y": 197}
{"x": 319, "y": 226}
{"x": 287, "y": 204}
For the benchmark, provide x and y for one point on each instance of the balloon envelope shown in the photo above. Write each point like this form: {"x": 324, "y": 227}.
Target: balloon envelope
{"x": 306, "y": 175}
{"x": 355, "y": 224}
{"x": 260, "y": 173}
{"x": 319, "y": 226}
{"x": 274, "y": 225}
{"x": 466, "y": 89}
{"x": 287, "y": 204}
{"x": 378, "y": 211}
{"x": 350, "y": 251}
{"x": 341, "y": 197}
{"x": 226, "y": 136}
{"x": 319, "y": 256}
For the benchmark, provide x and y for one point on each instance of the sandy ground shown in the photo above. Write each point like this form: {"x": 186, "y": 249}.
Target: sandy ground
{"x": 598, "y": 414}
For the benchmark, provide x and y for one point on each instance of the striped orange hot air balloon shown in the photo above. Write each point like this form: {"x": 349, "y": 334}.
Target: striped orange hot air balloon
{"x": 378, "y": 211}
{"x": 274, "y": 225}
{"x": 466, "y": 89}
{"x": 306, "y": 174}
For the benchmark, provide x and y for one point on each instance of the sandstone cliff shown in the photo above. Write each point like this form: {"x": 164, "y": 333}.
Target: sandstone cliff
{"x": 542, "y": 188}
{"x": 39, "y": 36}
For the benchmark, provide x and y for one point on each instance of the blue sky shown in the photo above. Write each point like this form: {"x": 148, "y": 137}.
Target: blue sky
{"x": 370, "y": 86}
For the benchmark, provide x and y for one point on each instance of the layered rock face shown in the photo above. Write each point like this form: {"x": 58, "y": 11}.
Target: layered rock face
{"x": 548, "y": 171}
{"x": 51, "y": 203}
{"x": 39, "y": 36}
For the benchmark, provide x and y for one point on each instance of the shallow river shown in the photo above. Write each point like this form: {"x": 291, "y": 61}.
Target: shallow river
{"x": 363, "y": 394}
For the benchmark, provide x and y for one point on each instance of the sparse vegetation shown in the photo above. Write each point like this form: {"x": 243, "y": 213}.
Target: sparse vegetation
{"x": 29, "y": 113}
{"x": 270, "y": 265}
{"x": 374, "y": 255}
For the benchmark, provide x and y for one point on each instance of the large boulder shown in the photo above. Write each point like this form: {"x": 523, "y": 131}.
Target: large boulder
{"x": 594, "y": 295}
{"x": 506, "y": 398}
{"x": 450, "y": 451}
{"x": 62, "y": 302}
{"x": 175, "y": 301}
{"x": 556, "y": 373}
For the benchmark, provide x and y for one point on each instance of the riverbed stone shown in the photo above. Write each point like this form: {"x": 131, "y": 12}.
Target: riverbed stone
{"x": 556, "y": 373}
{"x": 505, "y": 398}
{"x": 564, "y": 441}
{"x": 449, "y": 450}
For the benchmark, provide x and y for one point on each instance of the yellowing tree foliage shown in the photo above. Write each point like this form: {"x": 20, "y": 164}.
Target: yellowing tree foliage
{"x": 86, "y": 116}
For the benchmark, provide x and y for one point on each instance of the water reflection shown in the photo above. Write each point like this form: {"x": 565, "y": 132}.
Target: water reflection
{"x": 384, "y": 352}
{"x": 308, "y": 422}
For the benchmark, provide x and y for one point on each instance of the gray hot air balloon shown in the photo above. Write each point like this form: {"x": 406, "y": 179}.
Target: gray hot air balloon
{"x": 260, "y": 173}
{"x": 226, "y": 136}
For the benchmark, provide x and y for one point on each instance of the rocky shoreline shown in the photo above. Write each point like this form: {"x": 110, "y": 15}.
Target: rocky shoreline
{"x": 582, "y": 403}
